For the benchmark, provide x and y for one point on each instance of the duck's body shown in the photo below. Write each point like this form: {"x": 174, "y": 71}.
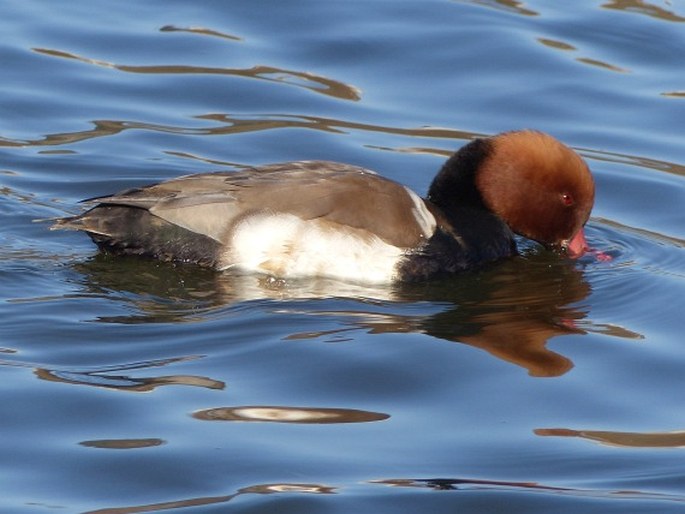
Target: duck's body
{"x": 318, "y": 218}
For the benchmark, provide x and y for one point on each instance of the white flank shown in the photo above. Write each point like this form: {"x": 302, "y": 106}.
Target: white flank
{"x": 286, "y": 246}
{"x": 423, "y": 216}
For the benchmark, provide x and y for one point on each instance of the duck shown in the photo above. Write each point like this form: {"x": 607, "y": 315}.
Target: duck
{"x": 334, "y": 220}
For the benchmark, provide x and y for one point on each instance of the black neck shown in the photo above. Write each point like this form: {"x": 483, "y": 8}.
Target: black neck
{"x": 455, "y": 183}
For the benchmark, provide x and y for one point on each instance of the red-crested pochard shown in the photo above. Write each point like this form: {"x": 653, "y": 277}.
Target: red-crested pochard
{"x": 318, "y": 218}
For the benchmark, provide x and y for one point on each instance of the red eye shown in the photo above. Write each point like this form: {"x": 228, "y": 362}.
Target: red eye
{"x": 567, "y": 199}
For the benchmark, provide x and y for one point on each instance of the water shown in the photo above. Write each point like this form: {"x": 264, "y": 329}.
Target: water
{"x": 538, "y": 385}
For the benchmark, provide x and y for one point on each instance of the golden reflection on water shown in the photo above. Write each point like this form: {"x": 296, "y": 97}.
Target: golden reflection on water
{"x": 553, "y": 43}
{"x": 505, "y": 5}
{"x": 602, "y": 64}
{"x": 565, "y": 47}
{"x": 278, "y": 488}
{"x": 303, "y": 79}
{"x": 200, "y": 30}
{"x": 246, "y": 123}
{"x": 230, "y": 124}
{"x": 302, "y": 415}
{"x": 630, "y": 6}
{"x": 633, "y": 160}
{"x": 226, "y": 124}
{"x": 646, "y": 8}
{"x": 237, "y": 124}
{"x": 673, "y": 439}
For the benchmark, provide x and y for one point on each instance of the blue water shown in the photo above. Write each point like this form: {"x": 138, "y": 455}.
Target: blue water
{"x": 538, "y": 385}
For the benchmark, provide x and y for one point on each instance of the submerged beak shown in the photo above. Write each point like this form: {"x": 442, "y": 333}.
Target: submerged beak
{"x": 576, "y": 246}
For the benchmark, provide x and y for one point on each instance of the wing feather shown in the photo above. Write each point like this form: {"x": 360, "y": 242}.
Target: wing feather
{"x": 212, "y": 204}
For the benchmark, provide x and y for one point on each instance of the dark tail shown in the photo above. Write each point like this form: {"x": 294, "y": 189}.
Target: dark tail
{"x": 125, "y": 230}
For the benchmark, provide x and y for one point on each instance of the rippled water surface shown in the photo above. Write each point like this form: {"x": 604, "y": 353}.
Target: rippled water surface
{"x": 537, "y": 385}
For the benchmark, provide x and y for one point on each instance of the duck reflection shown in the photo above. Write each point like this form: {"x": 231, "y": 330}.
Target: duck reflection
{"x": 512, "y": 313}
{"x": 511, "y": 310}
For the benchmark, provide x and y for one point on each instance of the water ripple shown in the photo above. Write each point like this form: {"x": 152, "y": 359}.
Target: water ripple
{"x": 306, "y": 80}
{"x": 512, "y": 6}
{"x": 429, "y": 484}
{"x": 674, "y": 439}
{"x": 458, "y": 484}
{"x": 277, "y": 488}
{"x": 566, "y": 47}
{"x": 645, "y": 8}
{"x": 200, "y": 30}
{"x": 123, "y": 444}
{"x": 239, "y": 124}
{"x": 102, "y": 376}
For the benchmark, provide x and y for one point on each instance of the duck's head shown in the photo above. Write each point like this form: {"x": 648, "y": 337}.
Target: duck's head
{"x": 538, "y": 186}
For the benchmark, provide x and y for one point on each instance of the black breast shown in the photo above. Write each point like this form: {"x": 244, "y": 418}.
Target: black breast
{"x": 478, "y": 238}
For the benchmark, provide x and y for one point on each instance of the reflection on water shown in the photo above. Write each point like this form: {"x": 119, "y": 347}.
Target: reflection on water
{"x": 123, "y": 382}
{"x": 230, "y": 124}
{"x": 289, "y": 415}
{"x": 123, "y": 444}
{"x": 165, "y": 292}
{"x": 566, "y": 47}
{"x": 200, "y": 30}
{"x": 602, "y": 64}
{"x": 211, "y": 500}
{"x": 665, "y": 12}
{"x": 234, "y": 124}
{"x": 511, "y": 310}
{"x": 435, "y": 484}
{"x": 659, "y": 238}
{"x": 450, "y": 484}
{"x": 306, "y": 80}
{"x": 673, "y": 439}
{"x": 553, "y": 43}
{"x": 103, "y": 376}
{"x": 513, "y": 6}
{"x": 459, "y": 484}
